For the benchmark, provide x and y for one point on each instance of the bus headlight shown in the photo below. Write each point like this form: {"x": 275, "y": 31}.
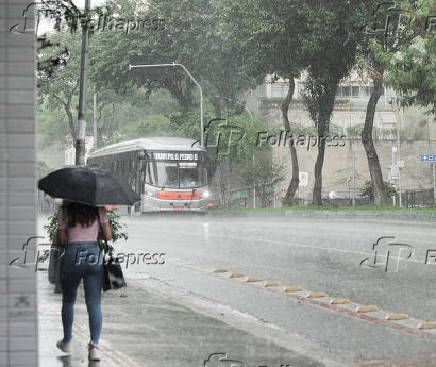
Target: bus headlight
{"x": 205, "y": 194}
{"x": 149, "y": 193}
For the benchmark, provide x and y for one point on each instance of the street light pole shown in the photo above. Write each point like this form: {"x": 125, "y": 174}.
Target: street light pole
{"x": 190, "y": 77}
{"x": 399, "y": 150}
{"x": 353, "y": 163}
{"x": 95, "y": 119}
{"x": 81, "y": 128}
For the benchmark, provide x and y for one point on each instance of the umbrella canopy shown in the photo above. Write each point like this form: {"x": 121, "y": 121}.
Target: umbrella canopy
{"x": 91, "y": 186}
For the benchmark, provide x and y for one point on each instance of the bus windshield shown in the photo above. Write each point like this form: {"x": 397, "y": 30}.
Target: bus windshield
{"x": 176, "y": 175}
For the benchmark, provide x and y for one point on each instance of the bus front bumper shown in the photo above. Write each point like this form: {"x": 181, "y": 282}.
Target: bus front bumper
{"x": 150, "y": 204}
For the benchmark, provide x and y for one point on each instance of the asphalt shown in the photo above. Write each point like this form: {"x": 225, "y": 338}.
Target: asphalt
{"x": 184, "y": 310}
{"x": 147, "y": 329}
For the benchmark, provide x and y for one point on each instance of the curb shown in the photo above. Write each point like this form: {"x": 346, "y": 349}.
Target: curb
{"x": 333, "y": 214}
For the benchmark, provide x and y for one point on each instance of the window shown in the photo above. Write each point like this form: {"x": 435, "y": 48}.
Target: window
{"x": 346, "y": 91}
{"x": 355, "y": 92}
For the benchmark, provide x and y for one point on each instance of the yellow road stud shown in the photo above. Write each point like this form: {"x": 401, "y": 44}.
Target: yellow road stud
{"x": 427, "y": 325}
{"x": 316, "y": 295}
{"x": 339, "y": 301}
{"x": 221, "y": 270}
{"x": 254, "y": 279}
{"x": 397, "y": 316}
{"x": 272, "y": 284}
{"x": 366, "y": 308}
{"x": 237, "y": 275}
{"x": 295, "y": 288}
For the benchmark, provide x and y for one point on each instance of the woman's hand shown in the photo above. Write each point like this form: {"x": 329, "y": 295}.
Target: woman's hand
{"x": 107, "y": 232}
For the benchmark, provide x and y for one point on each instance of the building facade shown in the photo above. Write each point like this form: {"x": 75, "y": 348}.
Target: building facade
{"x": 18, "y": 299}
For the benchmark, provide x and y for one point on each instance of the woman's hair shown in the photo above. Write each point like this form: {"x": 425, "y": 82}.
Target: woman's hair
{"x": 80, "y": 213}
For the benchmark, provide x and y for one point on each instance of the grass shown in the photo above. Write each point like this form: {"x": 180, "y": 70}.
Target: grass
{"x": 363, "y": 208}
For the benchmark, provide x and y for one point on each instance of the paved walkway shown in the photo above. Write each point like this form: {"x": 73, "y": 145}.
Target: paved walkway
{"x": 144, "y": 329}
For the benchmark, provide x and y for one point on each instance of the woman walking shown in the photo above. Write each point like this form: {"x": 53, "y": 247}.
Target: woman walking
{"x": 78, "y": 229}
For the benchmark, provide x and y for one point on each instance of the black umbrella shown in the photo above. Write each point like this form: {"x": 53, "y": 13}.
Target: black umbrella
{"x": 92, "y": 186}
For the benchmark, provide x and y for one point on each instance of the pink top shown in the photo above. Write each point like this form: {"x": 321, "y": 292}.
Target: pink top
{"x": 79, "y": 233}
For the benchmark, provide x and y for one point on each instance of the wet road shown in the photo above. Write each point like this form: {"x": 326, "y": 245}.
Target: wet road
{"x": 317, "y": 255}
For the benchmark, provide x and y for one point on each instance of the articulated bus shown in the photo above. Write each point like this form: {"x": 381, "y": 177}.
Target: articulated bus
{"x": 169, "y": 173}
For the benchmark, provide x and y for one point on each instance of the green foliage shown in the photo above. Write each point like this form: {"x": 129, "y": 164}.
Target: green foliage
{"x": 368, "y": 190}
{"x": 412, "y": 70}
{"x": 264, "y": 175}
{"x": 118, "y": 228}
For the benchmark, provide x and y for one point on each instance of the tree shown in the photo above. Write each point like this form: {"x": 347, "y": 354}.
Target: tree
{"x": 58, "y": 87}
{"x": 368, "y": 191}
{"x": 412, "y": 70}
{"x": 331, "y": 36}
{"x": 264, "y": 176}
{"x": 269, "y": 35}
{"x": 376, "y": 53}
{"x": 191, "y": 36}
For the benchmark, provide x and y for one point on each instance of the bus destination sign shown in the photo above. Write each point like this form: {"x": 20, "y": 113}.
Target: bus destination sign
{"x": 175, "y": 156}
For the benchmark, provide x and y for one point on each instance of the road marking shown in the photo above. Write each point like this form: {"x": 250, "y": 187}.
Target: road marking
{"x": 237, "y": 275}
{"x": 221, "y": 270}
{"x": 316, "y": 295}
{"x": 397, "y": 316}
{"x": 366, "y": 308}
{"x": 427, "y": 325}
{"x": 410, "y": 327}
{"x": 272, "y": 284}
{"x": 294, "y": 288}
{"x": 339, "y": 301}
{"x": 254, "y": 279}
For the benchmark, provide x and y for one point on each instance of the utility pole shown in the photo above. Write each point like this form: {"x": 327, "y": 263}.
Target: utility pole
{"x": 434, "y": 182}
{"x": 353, "y": 162}
{"x": 95, "y": 119}
{"x": 254, "y": 183}
{"x": 81, "y": 128}
{"x": 399, "y": 150}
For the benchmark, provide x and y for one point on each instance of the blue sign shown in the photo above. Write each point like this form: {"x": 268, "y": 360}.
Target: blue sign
{"x": 428, "y": 158}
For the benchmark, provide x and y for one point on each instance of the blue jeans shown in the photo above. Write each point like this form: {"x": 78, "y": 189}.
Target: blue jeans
{"x": 82, "y": 260}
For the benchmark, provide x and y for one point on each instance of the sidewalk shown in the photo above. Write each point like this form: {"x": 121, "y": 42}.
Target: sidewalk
{"x": 147, "y": 330}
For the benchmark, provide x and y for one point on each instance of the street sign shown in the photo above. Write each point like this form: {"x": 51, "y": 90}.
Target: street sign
{"x": 428, "y": 158}
{"x": 304, "y": 179}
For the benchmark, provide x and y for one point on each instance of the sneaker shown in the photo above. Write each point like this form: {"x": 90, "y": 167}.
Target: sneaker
{"x": 64, "y": 346}
{"x": 93, "y": 353}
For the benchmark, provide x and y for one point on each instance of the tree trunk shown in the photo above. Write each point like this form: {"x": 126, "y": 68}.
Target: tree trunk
{"x": 371, "y": 154}
{"x": 325, "y": 107}
{"x": 317, "y": 200}
{"x": 293, "y": 185}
